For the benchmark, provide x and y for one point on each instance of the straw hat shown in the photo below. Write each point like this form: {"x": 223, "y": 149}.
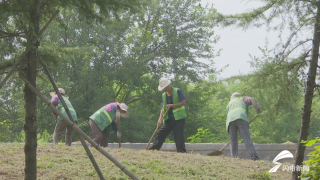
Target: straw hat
{"x": 62, "y": 91}
{"x": 124, "y": 107}
{"x": 163, "y": 83}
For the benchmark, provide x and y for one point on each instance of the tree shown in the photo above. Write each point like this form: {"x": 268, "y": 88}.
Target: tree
{"x": 298, "y": 16}
{"x": 123, "y": 60}
{"x": 20, "y": 25}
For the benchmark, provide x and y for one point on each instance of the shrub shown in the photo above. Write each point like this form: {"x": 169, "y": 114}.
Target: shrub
{"x": 313, "y": 162}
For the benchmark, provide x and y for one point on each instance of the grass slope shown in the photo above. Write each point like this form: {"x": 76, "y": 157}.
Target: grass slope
{"x": 62, "y": 162}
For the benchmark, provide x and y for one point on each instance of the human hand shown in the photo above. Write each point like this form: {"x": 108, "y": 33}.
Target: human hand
{"x": 259, "y": 109}
{"x": 169, "y": 106}
{"x": 257, "y": 106}
{"x": 159, "y": 124}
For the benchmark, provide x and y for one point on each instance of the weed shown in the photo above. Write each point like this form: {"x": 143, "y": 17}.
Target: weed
{"x": 39, "y": 165}
{"x": 68, "y": 160}
{"x": 261, "y": 176}
{"x": 10, "y": 152}
{"x": 9, "y": 162}
{"x": 91, "y": 173}
{"x": 125, "y": 162}
{"x": 49, "y": 164}
{"x": 61, "y": 162}
{"x": 133, "y": 169}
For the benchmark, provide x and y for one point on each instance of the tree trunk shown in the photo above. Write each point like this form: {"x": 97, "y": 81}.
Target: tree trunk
{"x": 30, "y": 126}
{"x": 306, "y": 113}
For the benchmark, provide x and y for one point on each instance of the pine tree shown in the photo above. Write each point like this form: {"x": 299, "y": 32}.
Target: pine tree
{"x": 299, "y": 16}
{"x": 20, "y": 23}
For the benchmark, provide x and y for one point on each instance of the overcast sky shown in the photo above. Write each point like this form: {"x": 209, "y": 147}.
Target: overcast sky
{"x": 236, "y": 43}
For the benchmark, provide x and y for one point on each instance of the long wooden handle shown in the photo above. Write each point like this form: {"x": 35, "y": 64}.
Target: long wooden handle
{"x": 157, "y": 128}
{"x": 119, "y": 129}
{"x": 254, "y": 118}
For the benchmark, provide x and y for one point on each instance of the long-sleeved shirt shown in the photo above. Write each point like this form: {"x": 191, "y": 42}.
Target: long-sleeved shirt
{"x": 55, "y": 101}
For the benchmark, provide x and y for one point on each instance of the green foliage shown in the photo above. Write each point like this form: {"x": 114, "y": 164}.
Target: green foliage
{"x": 314, "y": 160}
{"x": 202, "y": 136}
{"x": 44, "y": 137}
{"x": 169, "y": 140}
{"x": 122, "y": 58}
{"x": 261, "y": 176}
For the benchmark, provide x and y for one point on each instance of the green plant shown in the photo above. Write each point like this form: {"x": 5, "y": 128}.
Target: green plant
{"x": 21, "y": 137}
{"x": 168, "y": 141}
{"x": 44, "y": 137}
{"x": 202, "y": 136}
{"x": 261, "y": 176}
{"x": 314, "y": 160}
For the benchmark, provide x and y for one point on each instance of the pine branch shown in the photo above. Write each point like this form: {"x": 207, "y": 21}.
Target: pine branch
{"x": 244, "y": 18}
{"x": 309, "y": 1}
{"x": 119, "y": 90}
{"x": 293, "y": 34}
{"x": 8, "y": 34}
{"x": 6, "y": 65}
{"x": 299, "y": 44}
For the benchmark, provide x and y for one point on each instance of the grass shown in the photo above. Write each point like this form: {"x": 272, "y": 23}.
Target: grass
{"x": 62, "y": 162}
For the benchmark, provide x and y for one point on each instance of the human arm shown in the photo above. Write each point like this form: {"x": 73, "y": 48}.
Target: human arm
{"x": 114, "y": 126}
{"x": 55, "y": 101}
{"x": 182, "y": 100}
{"x": 160, "y": 118}
{"x": 251, "y": 101}
{"x": 182, "y": 103}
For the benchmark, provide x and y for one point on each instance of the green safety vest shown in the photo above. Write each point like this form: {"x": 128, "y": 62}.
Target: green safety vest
{"x": 178, "y": 112}
{"x": 63, "y": 111}
{"x": 103, "y": 118}
{"x": 236, "y": 109}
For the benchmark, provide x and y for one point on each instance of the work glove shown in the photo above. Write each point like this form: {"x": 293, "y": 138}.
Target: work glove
{"x": 119, "y": 134}
{"x": 258, "y": 110}
{"x": 257, "y": 106}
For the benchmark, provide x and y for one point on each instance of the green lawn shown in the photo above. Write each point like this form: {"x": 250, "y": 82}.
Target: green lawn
{"x": 61, "y": 162}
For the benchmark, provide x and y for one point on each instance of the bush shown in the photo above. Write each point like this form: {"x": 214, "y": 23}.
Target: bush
{"x": 202, "y": 136}
{"x": 313, "y": 162}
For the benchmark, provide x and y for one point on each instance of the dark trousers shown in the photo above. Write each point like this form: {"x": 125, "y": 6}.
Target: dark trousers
{"x": 171, "y": 125}
{"x": 59, "y": 129}
{"x": 243, "y": 127}
{"x": 100, "y": 137}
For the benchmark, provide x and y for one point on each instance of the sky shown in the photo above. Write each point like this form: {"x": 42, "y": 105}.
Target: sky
{"x": 237, "y": 44}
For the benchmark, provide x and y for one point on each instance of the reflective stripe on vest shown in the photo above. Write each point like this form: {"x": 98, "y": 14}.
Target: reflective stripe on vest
{"x": 178, "y": 112}
{"x": 178, "y": 109}
{"x": 107, "y": 114}
{"x": 237, "y": 109}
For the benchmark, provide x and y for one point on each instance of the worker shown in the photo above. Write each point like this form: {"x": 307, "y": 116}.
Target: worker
{"x": 105, "y": 118}
{"x": 174, "y": 100}
{"x": 237, "y": 119}
{"x": 62, "y": 125}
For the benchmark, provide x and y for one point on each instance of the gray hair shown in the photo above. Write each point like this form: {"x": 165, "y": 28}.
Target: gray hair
{"x": 235, "y": 95}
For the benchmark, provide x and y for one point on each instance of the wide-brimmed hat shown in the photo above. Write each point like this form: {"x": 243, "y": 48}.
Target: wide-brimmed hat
{"x": 164, "y": 82}
{"x": 62, "y": 91}
{"x": 124, "y": 107}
